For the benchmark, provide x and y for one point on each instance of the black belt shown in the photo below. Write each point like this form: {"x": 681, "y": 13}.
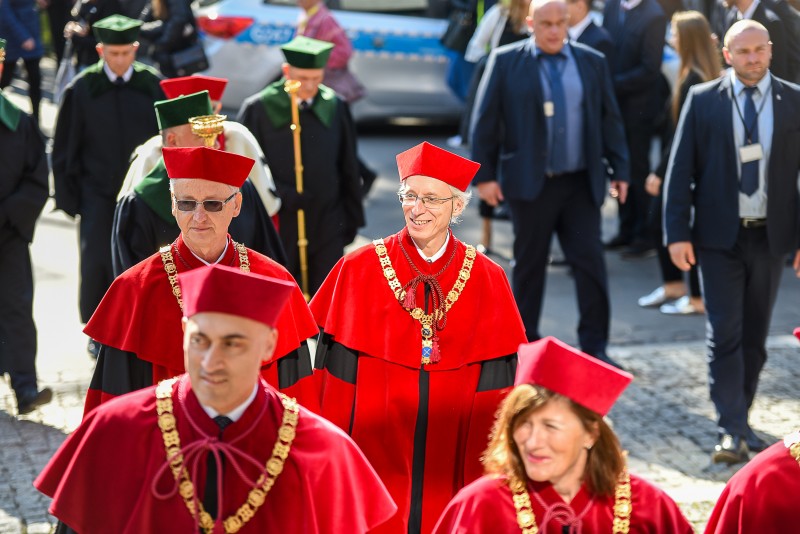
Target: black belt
{"x": 752, "y": 222}
{"x": 550, "y": 175}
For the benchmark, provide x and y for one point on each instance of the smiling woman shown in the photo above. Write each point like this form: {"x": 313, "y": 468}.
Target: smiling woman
{"x": 554, "y": 463}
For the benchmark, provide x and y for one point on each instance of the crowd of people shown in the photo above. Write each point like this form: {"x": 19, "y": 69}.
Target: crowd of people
{"x": 251, "y": 376}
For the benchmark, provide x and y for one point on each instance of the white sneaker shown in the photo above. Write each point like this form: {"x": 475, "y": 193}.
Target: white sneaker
{"x": 682, "y": 306}
{"x": 657, "y": 297}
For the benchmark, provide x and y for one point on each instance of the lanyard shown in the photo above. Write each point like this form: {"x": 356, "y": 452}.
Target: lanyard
{"x": 748, "y": 131}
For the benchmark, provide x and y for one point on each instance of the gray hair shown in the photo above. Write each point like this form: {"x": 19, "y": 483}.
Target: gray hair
{"x": 457, "y": 194}
{"x": 232, "y": 189}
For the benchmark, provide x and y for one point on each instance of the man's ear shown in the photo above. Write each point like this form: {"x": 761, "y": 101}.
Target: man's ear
{"x": 99, "y": 48}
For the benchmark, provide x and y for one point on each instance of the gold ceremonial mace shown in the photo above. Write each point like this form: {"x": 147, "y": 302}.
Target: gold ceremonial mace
{"x": 291, "y": 87}
{"x": 208, "y": 127}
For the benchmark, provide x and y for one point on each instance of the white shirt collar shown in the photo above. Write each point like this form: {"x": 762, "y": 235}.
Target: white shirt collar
{"x": 763, "y": 84}
{"x": 113, "y": 77}
{"x": 235, "y": 414}
{"x": 224, "y": 250}
{"x": 627, "y": 5}
{"x": 578, "y": 29}
{"x": 748, "y": 14}
{"x": 439, "y": 253}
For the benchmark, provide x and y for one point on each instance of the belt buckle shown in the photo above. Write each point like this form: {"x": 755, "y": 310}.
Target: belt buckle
{"x": 751, "y": 222}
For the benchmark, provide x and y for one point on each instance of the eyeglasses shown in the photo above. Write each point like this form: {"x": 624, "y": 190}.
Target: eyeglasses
{"x": 410, "y": 199}
{"x": 211, "y": 206}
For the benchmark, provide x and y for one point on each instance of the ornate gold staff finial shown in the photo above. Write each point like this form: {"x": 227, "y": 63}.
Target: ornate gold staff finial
{"x": 208, "y": 127}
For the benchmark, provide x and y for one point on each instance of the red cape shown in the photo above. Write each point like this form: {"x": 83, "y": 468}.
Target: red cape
{"x": 101, "y": 479}
{"x": 761, "y": 497}
{"x": 486, "y": 507}
{"x": 383, "y": 329}
{"x": 380, "y": 410}
{"x": 140, "y": 314}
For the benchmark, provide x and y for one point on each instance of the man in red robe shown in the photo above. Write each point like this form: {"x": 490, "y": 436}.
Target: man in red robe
{"x": 138, "y": 321}
{"x": 419, "y": 343}
{"x": 217, "y": 448}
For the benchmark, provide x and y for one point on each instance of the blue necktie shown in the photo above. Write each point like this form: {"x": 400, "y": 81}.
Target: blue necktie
{"x": 558, "y": 123}
{"x": 749, "y": 183}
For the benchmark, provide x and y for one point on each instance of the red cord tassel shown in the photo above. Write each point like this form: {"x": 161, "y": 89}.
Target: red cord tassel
{"x": 410, "y": 300}
{"x": 435, "y": 357}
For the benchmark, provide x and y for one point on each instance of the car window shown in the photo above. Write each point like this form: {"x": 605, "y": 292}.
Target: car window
{"x": 416, "y": 8}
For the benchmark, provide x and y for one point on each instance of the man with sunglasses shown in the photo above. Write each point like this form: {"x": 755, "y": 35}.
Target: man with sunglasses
{"x": 143, "y": 219}
{"x": 138, "y": 322}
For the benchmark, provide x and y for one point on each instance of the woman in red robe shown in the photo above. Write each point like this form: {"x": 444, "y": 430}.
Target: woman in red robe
{"x": 553, "y": 464}
{"x": 419, "y": 344}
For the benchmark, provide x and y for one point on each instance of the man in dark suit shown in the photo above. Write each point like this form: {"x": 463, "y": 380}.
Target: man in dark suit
{"x": 545, "y": 118}
{"x": 783, "y": 44}
{"x": 732, "y": 190}
{"x": 583, "y": 30}
{"x": 638, "y": 28}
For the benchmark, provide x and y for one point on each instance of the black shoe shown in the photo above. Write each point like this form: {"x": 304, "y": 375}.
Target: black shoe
{"x": 29, "y": 402}
{"x": 617, "y": 242}
{"x": 730, "y": 450}
{"x": 638, "y": 250}
{"x": 93, "y": 348}
{"x": 603, "y": 357}
{"x": 754, "y": 442}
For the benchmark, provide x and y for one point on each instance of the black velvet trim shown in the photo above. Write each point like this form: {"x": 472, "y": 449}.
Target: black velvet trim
{"x": 294, "y": 366}
{"x": 498, "y": 373}
{"x": 337, "y": 359}
{"x": 118, "y": 372}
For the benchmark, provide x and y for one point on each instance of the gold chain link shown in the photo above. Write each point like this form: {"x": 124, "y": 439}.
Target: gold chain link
{"x": 257, "y": 495}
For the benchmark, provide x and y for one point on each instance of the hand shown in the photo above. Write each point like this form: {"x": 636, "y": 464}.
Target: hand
{"x": 29, "y": 44}
{"x": 682, "y": 255}
{"x": 490, "y": 193}
{"x": 653, "y": 184}
{"x": 796, "y": 264}
{"x": 619, "y": 190}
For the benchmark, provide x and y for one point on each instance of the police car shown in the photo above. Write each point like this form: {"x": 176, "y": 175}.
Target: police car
{"x": 397, "y": 54}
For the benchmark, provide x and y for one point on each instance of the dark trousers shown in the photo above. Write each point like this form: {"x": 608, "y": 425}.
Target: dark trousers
{"x": 97, "y": 273}
{"x": 58, "y": 15}
{"x": 739, "y": 290}
{"x": 669, "y": 272}
{"x": 17, "y": 329}
{"x": 565, "y": 207}
{"x": 633, "y": 215}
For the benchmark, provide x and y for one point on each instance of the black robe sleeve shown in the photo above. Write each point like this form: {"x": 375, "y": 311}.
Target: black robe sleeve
{"x": 66, "y": 154}
{"x": 137, "y": 233}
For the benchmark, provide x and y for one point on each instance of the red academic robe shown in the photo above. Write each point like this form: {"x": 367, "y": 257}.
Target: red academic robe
{"x": 762, "y": 496}
{"x": 423, "y": 428}
{"x": 139, "y": 314}
{"x": 106, "y": 475}
{"x": 486, "y": 507}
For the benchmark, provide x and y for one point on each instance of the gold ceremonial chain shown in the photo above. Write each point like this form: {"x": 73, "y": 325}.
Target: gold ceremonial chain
{"x": 172, "y": 271}
{"x": 257, "y": 495}
{"x": 418, "y": 314}
{"x": 792, "y": 442}
{"x": 526, "y": 519}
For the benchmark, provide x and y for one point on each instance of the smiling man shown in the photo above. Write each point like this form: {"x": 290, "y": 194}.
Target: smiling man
{"x": 216, "y": 449}
{"x": 420, "y": 334}
{"x": 105, "y": 114}
{"x": 138, "y": 321}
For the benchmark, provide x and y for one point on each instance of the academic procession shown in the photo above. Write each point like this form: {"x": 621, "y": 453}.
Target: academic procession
{"x": 251, "y": 361}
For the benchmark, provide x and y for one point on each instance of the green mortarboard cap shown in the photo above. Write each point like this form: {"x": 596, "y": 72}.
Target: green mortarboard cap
{"x": 178, "y": 111}
{"x": 307, "y": 53}
{"x": 116, "y": 30}
{"x": 2, "y": 44}
{"x": 2, "y": 49}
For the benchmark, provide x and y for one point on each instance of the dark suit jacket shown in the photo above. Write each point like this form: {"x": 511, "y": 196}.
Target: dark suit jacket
{"x": 702, "y": 171}
{"x": 509, "y": 136}
{"x": 779, "y": 65}
{"x": 638, "y": 51}
{"x": 596, "y": 37}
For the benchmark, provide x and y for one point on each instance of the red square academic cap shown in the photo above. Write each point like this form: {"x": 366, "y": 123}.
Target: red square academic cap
{"x": 554, "y": 365}
{"x": 223, "y": 289}
{"x": 187, "y": 85}
{"x": 797, "y": 333}
{"x": 205, "y": 163}
{"x": 429, "y": 160}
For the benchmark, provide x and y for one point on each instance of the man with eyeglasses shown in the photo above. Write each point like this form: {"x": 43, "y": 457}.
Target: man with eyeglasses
{"x": 331, "y": 197}
{"x": 138, "y": 321}
{"x": 143, "y": 219}
{"x": 420, "y": 334}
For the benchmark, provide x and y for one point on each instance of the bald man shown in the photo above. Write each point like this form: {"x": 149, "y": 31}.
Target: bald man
{"x": 731, "y": 205}
{"x": 545, "y": 118}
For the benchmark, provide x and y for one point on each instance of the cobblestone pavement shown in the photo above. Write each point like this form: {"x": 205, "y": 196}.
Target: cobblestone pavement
{"x": 664, "y": 420}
